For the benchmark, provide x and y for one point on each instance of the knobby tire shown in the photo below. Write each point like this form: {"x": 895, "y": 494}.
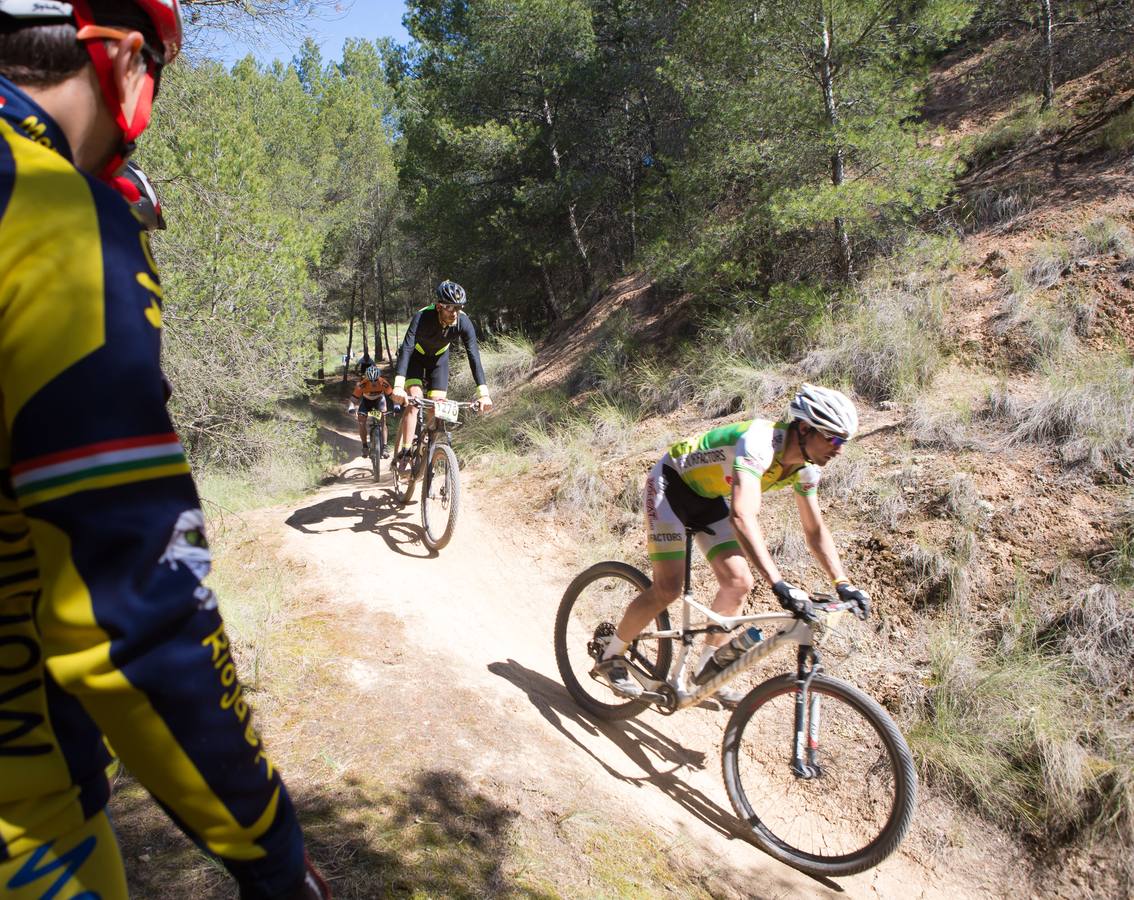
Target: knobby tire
{"x": 438, "y": 519}
{"x": 404, "y": 479}
{"x": 376, "y": 451}
{"x": 861, "y": 752}
{"x": 575, "y": 626}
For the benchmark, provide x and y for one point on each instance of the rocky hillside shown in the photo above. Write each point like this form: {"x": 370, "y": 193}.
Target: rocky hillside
{"x": 987, "y": 502}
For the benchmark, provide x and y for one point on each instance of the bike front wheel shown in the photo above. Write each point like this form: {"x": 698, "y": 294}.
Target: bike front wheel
{"x": 588, "y": 613}
{"x": 376, "y": 451}
{"x": 851, "y": 808}
{"x": 402, "y": 470}
{"x": 441, "y": 497}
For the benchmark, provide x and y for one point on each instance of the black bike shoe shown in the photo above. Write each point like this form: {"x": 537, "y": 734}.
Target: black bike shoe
{"x": 616, "y": 676}
{"x": 365, "y": 449}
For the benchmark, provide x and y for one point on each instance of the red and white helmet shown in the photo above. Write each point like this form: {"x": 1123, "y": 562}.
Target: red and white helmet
{"x": 164, "y": 15}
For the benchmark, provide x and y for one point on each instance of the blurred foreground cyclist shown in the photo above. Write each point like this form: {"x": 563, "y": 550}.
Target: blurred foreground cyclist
{"x": 105, "y": 626}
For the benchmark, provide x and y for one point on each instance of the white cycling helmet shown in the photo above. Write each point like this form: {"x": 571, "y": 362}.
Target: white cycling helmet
{"x": 827, "y": 410}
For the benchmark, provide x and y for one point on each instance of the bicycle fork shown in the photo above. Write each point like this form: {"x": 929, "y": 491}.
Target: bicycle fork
{"x": 805, "y": 746}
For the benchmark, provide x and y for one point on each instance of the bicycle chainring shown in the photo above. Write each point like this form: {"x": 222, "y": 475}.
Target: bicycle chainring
{"x": 668, "y": 705}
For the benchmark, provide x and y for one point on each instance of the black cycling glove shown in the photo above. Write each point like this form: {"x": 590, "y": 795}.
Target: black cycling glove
{"x": 849, "y": 593}
{"x": 793, "y": 599}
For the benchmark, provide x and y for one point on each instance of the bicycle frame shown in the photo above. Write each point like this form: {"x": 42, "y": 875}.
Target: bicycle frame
{"x": 375, "y": 419}
{"x": 426, "y": 435}
{"x": 788, "y": 629}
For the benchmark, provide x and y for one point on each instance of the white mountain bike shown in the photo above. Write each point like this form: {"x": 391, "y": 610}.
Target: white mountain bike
{"x": 816, "y": 770}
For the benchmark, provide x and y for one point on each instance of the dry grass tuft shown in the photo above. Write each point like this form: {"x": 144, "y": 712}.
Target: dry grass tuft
{"x": 886, "y": 349}
{"x": 1102, "y": 235}
{"x": 1000, "y": 207}
{"x": 1086, "y": 411}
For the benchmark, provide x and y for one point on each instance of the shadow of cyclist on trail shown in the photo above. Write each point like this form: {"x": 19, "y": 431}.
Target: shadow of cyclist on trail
{"x": 379, "y": 515}
{"x": 641, "y": 743}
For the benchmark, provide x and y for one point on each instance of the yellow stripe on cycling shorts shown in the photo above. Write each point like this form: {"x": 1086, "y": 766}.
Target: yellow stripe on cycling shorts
{"x": 83, "y": 863}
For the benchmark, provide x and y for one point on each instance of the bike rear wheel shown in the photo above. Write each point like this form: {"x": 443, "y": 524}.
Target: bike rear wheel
{"x": 854, "y": 811}
{"x": 402, "y": 470}
{"x": 588, "y": 613}
{"x": 441, "y": 497}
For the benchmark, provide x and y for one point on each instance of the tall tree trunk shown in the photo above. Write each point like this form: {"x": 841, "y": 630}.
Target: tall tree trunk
{"x": 572, "y": 223}
{"x": 320, "y": 334}
{"x": 827, "y": 78}
{"x": 362, "y": 319}
{"x": 350, "y": 336}
{"x": 549, "y": 299}
{"x": 631, "y": 182}
{"x": 381, "y": 277}
{"x": 1047, "y": 26}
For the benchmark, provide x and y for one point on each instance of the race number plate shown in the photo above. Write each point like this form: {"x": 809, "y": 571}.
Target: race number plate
{"x": 446, "y": 410}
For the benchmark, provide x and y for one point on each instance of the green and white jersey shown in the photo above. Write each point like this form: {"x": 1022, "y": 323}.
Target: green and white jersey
{"x": 706, "y": 462}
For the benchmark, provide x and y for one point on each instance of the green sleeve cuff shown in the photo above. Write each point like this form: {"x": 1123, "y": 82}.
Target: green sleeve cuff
{"x": 482, "y": 390}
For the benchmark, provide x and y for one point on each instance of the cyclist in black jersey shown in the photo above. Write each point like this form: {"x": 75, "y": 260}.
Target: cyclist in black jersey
{"x": 424, "y": 356}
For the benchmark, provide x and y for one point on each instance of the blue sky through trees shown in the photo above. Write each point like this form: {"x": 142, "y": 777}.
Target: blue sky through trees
{"x": 368, "y": 19}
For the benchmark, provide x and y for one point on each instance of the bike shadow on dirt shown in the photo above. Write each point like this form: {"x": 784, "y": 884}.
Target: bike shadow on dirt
{"x": 641, "y": 743}
{"x": 379, "y": 514}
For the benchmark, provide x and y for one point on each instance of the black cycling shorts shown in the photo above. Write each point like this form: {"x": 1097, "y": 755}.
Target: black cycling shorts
{"x": 431, "y": 371}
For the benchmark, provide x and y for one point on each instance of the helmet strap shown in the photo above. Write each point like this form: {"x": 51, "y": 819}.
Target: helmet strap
{"x": 802, "y": 449}
{"x": 131, "y": 130}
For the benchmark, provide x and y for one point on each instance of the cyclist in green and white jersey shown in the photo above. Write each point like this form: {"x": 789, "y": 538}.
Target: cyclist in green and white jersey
{"x": 688, "y": 487}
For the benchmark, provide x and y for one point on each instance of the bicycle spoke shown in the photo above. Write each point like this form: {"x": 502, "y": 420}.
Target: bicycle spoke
{"x": 588, "y": 614}
{"x": 841, "y": 811}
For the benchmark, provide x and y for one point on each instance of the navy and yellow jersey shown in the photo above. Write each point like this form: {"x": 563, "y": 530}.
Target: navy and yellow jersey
{"x": 428, "y": 338}
{"x": 105, "y": 627}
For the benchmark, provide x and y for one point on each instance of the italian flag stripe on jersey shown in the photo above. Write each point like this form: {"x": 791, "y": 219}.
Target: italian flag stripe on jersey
{"x": 105, "y": 464}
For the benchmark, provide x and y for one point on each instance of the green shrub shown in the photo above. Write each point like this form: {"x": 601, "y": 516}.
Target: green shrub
{"x": 1118, "y": 134}
{"x": 1025, "y": 122}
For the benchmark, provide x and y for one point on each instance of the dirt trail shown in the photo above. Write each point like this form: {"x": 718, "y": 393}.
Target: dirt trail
{"x": 472, "y": 627}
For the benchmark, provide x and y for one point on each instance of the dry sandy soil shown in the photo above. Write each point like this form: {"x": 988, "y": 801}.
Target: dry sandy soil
{"x": 451, "y": 657}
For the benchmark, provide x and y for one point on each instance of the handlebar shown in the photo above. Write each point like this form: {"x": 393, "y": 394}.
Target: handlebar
{"x": 425, "y": 401}
{"x": 825, "y": 603}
